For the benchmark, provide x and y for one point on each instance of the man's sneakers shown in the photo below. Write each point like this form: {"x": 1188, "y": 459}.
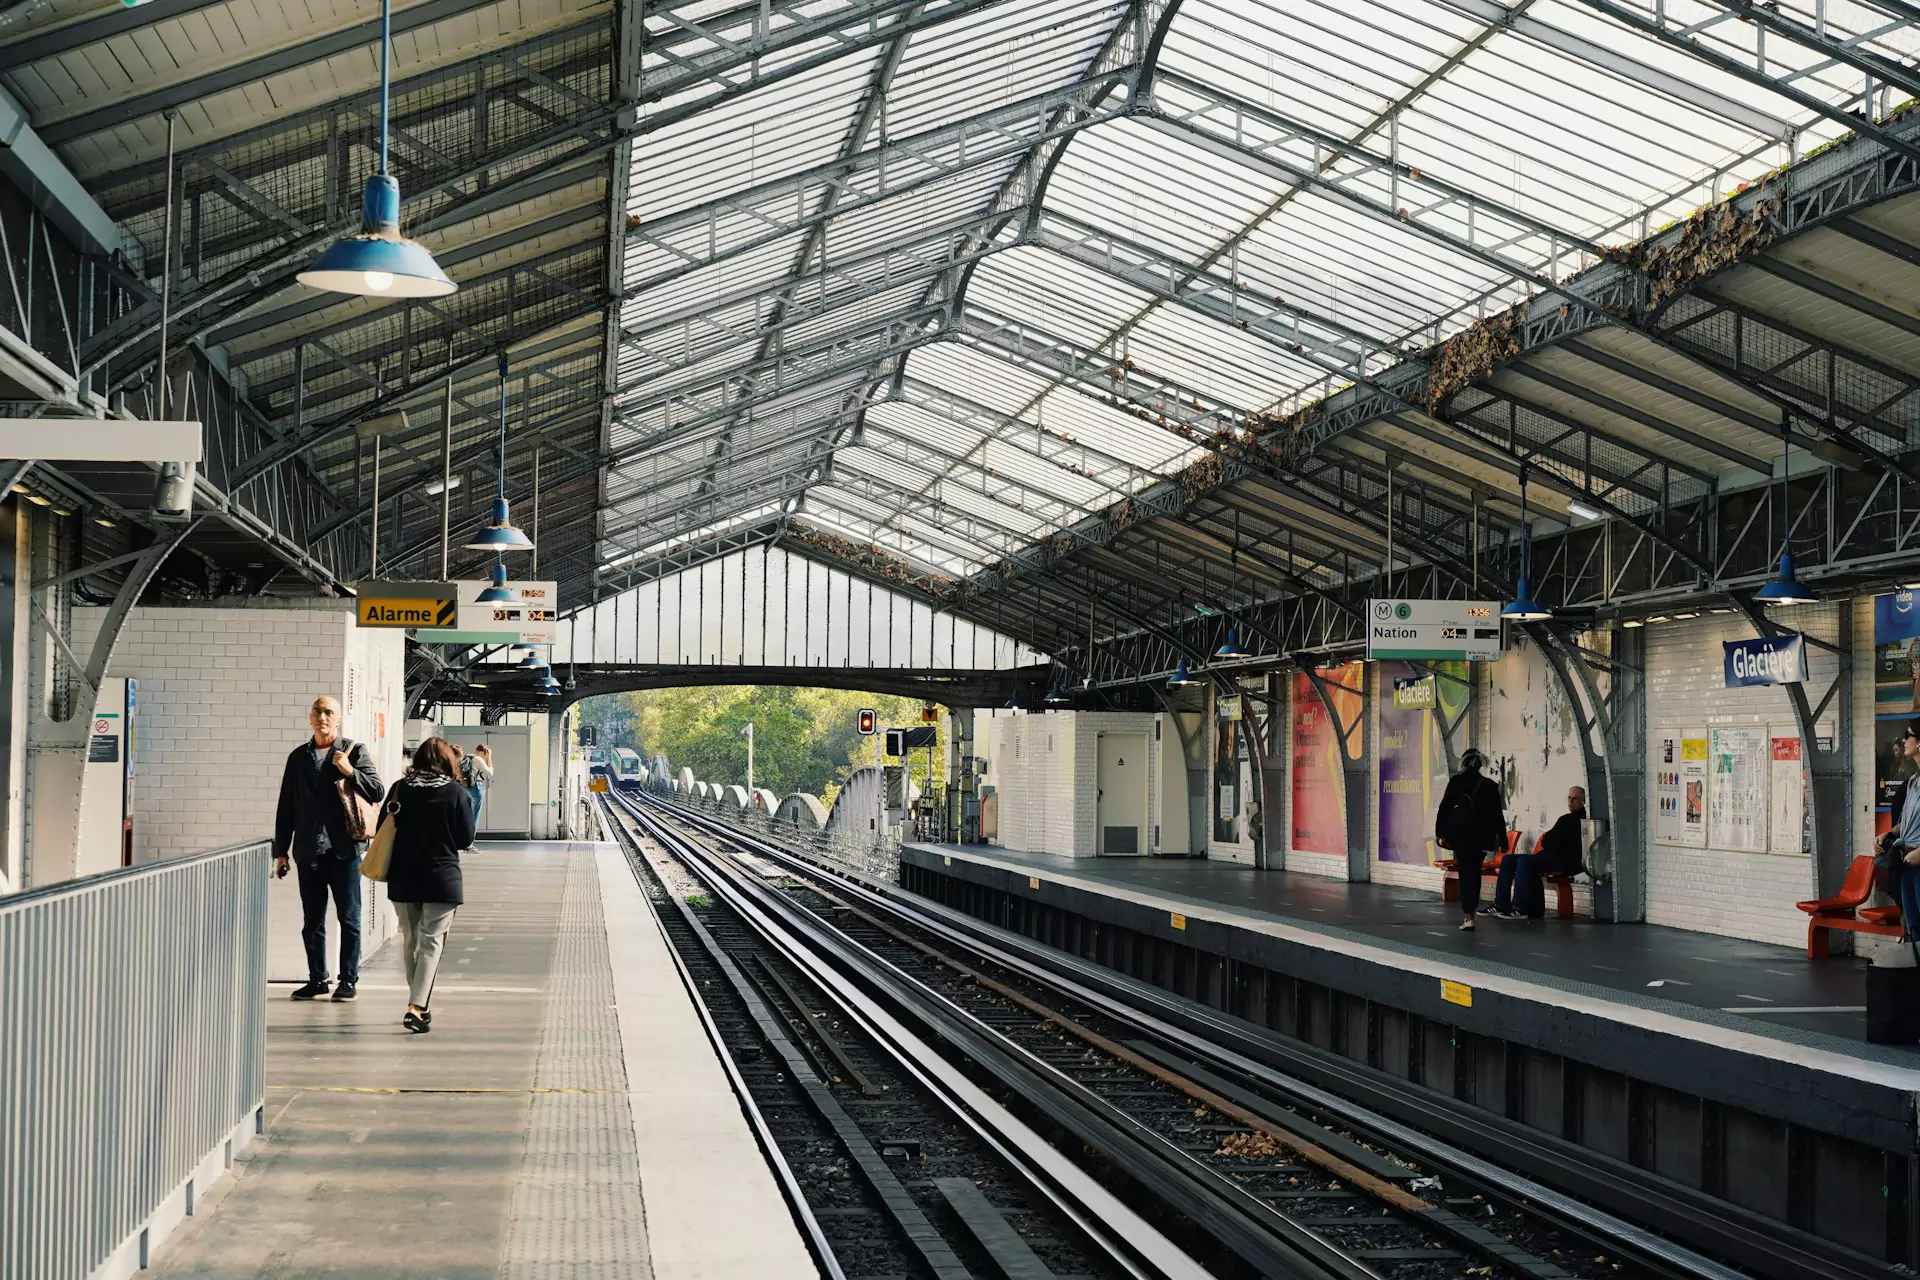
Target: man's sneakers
{"x": 1508, "y": 914}
{"x": 344, "y": 991}
{"x": 312, "y": 991}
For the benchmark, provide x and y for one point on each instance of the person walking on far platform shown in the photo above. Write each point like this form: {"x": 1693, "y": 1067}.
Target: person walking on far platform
{"x": 1470, "y": 824}
{"x": 1904, "y": 834}
{"x": 476, "y": 773}
{"x": 432, "y": 822}
{"x": 321, "y": 777}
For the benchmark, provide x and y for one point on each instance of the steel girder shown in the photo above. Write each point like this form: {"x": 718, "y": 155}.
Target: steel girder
{"x": 689, "y": 556}
{"x": 438, "y": 189}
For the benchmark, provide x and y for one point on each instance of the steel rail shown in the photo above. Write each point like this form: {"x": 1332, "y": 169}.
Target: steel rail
{"x": 1132, "y": 1243}
{"x": 1242, "y": 1223}
{"x": 1211, "y": 1037}
{"x": 790, "y": 1190}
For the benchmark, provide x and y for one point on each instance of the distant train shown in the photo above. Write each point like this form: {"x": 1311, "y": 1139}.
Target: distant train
{"x": 629, "y": 773}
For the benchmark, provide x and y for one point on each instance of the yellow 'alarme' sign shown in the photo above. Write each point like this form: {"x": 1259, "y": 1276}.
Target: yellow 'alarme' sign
{"x": 379, "y": 612}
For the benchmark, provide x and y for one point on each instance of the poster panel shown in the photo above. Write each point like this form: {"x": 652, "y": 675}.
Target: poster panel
{"x": 1667, "y": 826}
{"x": 1737, "y": 787}
{"x": 1896, "y": 694}
{"x": 1413, "y": 773}
{"x": 1786, "y": 823}
{"x": 1318, "y": 808}
{"x": 1680, "y": 787}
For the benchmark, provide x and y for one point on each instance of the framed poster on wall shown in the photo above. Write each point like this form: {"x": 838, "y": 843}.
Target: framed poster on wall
{"x": 1680, "y": 787}
{"x": 1787, "y": 810}
{"x": 1737, "y": 787}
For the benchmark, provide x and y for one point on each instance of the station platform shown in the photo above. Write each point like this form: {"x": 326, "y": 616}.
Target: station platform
{"x": 1554, "y": 1012}
{"x": 567, "y": 1114}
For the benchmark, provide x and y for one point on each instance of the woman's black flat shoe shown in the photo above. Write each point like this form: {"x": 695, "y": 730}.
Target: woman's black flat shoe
{"x": 417, "y": 1023}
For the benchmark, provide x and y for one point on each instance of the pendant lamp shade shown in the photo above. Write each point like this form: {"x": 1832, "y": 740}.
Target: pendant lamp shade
{"x": 1231, "y": 649}
{"x": 1181, "y": 675}
{"x": 501, "y": 535}
{"x": 499, "y": 592}
{"x": 532, "y": 662}
{"x": 1524, "y": 608}
{"x": 379, "y": 261}
{"x": 1057, "y": 691}
{"x": 547, "y": 685}
{"x": 1785, "y": 587}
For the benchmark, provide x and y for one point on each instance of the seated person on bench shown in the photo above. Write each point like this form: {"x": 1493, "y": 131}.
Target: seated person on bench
{"x": 1520, "y": 884}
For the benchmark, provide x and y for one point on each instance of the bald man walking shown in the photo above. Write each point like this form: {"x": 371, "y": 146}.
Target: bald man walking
{"x": 311, "y": 826}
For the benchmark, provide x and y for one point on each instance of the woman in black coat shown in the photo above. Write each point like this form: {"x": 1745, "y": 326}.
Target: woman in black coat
{"x": 1471, "y": 823}
{"x": 433, "y": 822}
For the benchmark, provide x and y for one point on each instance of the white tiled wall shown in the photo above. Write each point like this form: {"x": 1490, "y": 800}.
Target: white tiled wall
{"x": 224, "y": 694}
{"x": 1045, "y": 766}
{"x": 1742, "y": 895}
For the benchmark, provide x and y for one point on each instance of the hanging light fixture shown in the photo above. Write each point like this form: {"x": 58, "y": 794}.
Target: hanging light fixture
{"x": 1785, "y": 588}
{"x": 1057, "y": 691}
{"x": 1524, "y": 607}
{"x": 547, "y": 685}
{"x": 1231, "y": 649}
{"x": 499, "y": 592}
{"x": 1181, "y": 675}
{"x": 379, "y": 261}
{"x": 532, "y": 661}
{"x": 1013, "y": 703}
{"x": 501, "y": 535}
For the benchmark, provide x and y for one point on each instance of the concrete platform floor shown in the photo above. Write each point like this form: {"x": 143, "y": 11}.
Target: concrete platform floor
{"x": 1755, "y": 983}
{"x": 504, "y": 1143}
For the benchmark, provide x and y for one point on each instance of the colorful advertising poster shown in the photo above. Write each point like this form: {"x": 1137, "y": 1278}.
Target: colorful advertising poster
{"x": 1693, "y": 792}
{"x": 1786, "y": 825}
{"x": 1680, "y": 787}
{"x": 1737, "y": 787}
{"x": 1896, "y": 693}
{"x": 1413, "y": 762}
{"x": 1666, "y": 788}
{"x": 1318, "y": 810}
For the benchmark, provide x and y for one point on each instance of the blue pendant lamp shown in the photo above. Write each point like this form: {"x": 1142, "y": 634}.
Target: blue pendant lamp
{"x": 1181, "y": 675}
{"x": 1013, "y": 703}
{"x": 1232, "y": 648}
{"x": 1785, "y": 588}
{"x": 499, "y": 592}
{"x": 379, "y": 262}
{"x": 501, "y": 535}
{"x": 532, "y": 662}
{"x": 547, "y": 685}
{"x": 1057, "y": 691}
{"x": 1524, "y": 607}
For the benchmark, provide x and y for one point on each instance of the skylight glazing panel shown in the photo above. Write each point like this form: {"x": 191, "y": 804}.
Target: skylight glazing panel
{"x": 1000, "y": 55}
{"x": 1151, "y": 188}
{"x": 987, "y": 378}
{"x": 1062, "y": 297}
{"x": 667, "y": 284}
{"x": 756, "y": 138}
{"x": 1209, "y": 357}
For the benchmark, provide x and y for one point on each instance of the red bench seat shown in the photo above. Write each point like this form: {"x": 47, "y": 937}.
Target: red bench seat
{"x": 1846, "y": 911}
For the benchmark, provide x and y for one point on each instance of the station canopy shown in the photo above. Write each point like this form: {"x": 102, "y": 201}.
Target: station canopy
{"x": 975, "y": 296}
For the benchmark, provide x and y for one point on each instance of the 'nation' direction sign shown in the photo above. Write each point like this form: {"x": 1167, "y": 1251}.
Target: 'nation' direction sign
{"x": 1433, "y": 630}
{"x": 407, "y": 604}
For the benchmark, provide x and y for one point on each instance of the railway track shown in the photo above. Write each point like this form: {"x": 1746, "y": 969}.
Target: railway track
{"x": 909, "y": 1055}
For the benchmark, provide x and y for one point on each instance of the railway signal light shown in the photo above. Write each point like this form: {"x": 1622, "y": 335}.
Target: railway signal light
{"x": 869, "y": 722}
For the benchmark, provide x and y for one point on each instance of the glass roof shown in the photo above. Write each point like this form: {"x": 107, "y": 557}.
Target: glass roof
{"x": 950, "y": 295}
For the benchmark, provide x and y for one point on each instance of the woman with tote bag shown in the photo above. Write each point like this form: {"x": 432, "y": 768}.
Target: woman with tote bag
{"x": 1471, "y": 823}
{"x": 432, "y": 821}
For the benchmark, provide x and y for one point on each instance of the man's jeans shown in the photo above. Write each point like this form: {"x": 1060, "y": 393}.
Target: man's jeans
{"x": 1518, "y": 887}
{"x": 339, "y": 877}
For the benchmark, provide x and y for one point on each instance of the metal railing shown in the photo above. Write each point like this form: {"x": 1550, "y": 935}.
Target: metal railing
{"x": 133, "y": 1052}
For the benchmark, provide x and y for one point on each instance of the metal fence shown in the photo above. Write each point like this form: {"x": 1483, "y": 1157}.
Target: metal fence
{"x": 133, "y": 1050}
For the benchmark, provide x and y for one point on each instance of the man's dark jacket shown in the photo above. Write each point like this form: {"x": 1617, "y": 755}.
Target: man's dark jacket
{"x": 1560, "y": 847}
{"x": 310, "y": 804}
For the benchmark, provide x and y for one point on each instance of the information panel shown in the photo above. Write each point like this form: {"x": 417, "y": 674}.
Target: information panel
{"x": 1680, "y": 787}
{"x": 1737, "y": 787}
{"x": 1433, "y": 630}
{"x": 1786, "y": 831}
